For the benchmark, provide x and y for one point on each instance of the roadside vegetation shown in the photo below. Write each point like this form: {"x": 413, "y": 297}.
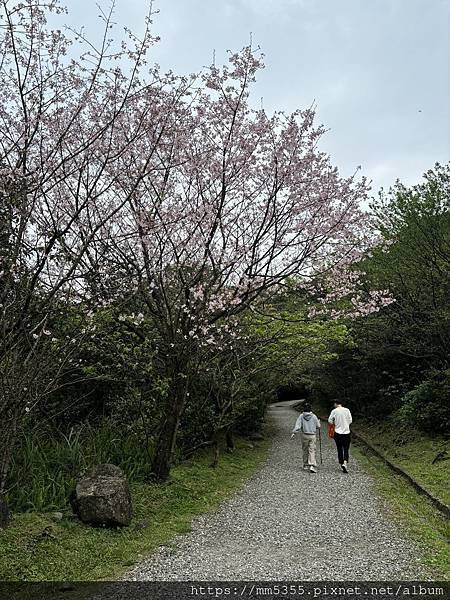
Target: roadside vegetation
{"x": 38, "y": 547}
{"x": 426, "y": 526}
{"x": 425, "y": 458}
{"x": 396, "y": 366}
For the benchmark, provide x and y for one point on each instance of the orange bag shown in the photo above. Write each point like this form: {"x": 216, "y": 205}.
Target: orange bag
{"x": 331, "y": 428}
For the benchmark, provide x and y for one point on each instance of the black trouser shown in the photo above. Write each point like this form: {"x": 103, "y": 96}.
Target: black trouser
{"x": 342, "y": 444}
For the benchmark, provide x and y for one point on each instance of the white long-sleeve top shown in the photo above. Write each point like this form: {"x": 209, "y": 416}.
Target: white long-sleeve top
{"x": 342, "y": 418}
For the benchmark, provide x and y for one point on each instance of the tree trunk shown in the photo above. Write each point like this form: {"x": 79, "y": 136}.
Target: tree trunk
{"x": 4, "y": 513}
{"x": 6, "y": 449}
{"x": 229, "y": 439}
{"x": 8, "y": 441}
{"x": 216, "y": 454}
{"x": 162, "y": 459}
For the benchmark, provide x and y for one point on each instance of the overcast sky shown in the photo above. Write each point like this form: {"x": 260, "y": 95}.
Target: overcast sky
{"x": 378, "y": 70}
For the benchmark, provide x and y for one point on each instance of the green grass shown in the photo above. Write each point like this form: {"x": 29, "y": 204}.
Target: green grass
{"x": 414, "y": 452}
{"x": 50, "y": 461}
{"x": 36, "y": 548}
{"x": 428, "y": 528}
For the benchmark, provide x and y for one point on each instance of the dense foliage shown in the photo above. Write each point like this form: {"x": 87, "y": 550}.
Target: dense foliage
{"x": 400, "y": 356}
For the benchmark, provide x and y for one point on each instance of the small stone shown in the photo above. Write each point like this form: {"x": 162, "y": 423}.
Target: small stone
{"x": 47, "y": 532}
{"x": 57, "y": 516}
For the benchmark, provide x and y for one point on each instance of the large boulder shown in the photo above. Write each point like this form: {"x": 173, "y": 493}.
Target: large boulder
{"x": 4, "y": 514}
{"x": 102, "y": 497}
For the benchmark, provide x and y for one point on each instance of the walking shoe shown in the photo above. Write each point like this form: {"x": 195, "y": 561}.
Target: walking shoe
{"x": 312, "y": 469}
{"x": 344, "y": 468}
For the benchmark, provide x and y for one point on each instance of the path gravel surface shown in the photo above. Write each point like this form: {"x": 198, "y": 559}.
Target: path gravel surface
{"x": 289, "y": 524}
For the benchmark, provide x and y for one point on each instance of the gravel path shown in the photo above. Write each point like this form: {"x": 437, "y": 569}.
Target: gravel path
{"x": 289, "y": 524}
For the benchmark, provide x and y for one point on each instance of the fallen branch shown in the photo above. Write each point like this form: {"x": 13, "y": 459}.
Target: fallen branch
{"x": 206, "y": 444}
{"x": 442, "y": 455}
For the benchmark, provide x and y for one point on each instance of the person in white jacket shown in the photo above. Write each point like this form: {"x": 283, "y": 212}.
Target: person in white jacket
{"x": 341, "y": 417}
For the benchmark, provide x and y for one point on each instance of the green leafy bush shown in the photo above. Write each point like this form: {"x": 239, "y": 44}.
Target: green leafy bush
{"x": 427, "y": 406}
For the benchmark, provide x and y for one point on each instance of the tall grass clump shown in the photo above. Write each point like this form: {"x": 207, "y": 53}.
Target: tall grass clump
{"x": 49, "y": 462}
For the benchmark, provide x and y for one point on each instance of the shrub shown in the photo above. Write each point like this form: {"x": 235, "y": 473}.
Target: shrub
{"x": 427, "y": 406}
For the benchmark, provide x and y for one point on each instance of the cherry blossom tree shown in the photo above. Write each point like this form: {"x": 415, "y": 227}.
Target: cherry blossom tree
{"x": 122, "y": 182}
{"x": 235, "y": 202}
{"x": 64, "y": 128}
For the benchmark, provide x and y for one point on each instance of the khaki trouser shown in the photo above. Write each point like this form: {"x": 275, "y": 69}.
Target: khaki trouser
{"x": 309, "y": 449}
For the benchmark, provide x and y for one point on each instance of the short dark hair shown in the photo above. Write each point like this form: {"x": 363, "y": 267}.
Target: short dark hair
{"x": 336, "y": 401}
{"x": 307, "y": 407}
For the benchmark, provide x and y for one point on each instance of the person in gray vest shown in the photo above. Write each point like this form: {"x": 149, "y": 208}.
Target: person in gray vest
{"x": 308, "y": 424}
